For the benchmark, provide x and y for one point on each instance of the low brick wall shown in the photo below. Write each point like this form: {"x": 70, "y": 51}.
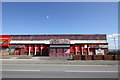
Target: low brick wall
{"x": 96, "y": 57}
{"x": 77, "y": 57}
{"x": 108, "y": 57}
{"x": 88, "y": 57}
{"x": 117, "y": 57}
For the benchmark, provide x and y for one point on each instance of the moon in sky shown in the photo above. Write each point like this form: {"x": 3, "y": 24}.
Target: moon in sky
{"x": 47, "y": 17}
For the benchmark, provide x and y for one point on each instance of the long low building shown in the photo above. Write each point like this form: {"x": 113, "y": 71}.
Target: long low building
{"x": 56, "y": 45}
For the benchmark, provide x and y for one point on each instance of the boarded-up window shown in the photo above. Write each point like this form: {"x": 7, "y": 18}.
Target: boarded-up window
{"x": 52, "y": 50}
{"x": 60, "y": 50}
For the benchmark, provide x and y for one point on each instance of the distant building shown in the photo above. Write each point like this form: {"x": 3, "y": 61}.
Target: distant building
{"x": 57, "y": 45}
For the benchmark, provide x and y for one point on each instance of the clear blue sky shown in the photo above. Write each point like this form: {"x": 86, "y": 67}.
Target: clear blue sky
{"x": 61, "y": 17}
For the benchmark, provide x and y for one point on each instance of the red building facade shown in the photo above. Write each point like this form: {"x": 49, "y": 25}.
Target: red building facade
{"x": 58, "y": 45}
{"x": 4, "y": 40}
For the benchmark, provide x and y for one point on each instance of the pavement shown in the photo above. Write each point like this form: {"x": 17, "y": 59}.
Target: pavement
{"x": 52, "y": 60}
{"x": 16, "y": 57}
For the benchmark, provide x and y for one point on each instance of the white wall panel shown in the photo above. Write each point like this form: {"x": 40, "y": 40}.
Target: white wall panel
{"x": 48, "y": 41}
{"x": 29, "y": 42}
{"x": 87, "y": 41}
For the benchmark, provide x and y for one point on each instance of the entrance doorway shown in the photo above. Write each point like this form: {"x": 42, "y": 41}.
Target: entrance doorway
{"x": 59, "y": 51}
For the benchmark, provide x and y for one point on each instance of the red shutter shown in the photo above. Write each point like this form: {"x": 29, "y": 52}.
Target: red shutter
{"x": 37, "y": 49}
{"x": 26, "y": 49}
{"x": 72, "y": 48}
{"x": 32, "y": 49}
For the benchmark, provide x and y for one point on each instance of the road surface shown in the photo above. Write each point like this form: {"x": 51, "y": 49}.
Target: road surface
{"x": 58, "y": 71}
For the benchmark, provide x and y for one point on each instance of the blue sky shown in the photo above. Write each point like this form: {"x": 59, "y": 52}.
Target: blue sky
{"x": 60, "y": 18}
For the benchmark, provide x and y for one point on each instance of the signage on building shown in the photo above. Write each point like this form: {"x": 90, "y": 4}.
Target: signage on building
{"x": 103, "y": 46}
{"x": 59, "y": 41}
{"x": 99, "y": 52}
{"x": 98, "y": 46}
{"x": 85, "y": 46}
{"x": 2, "y": 42}
{"x": 59, "y": 45}
{"x": 93, "y": 46}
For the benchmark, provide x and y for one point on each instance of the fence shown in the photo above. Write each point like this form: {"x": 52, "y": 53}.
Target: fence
{"x": 59, "y": 54}
{"x": 96, "y": 57}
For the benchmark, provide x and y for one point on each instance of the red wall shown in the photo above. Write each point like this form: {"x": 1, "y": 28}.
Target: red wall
{"x": 72, "y": 48}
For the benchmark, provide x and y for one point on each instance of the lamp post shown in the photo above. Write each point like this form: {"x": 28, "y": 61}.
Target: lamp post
{"x": 114, "y": 42}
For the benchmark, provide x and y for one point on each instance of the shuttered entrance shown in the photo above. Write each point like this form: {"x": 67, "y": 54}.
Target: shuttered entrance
{"x": 59, "y": 50}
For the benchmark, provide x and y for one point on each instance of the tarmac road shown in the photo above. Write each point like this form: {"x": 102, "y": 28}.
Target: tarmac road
{"x": 58, "y": 71}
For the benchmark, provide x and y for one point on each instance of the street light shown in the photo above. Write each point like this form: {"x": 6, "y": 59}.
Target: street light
{"x": 114, "y": 42}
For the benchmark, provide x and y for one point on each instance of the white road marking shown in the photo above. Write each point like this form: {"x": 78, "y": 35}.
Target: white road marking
{"x": 22, "y": 70}
{"x": 58, "y": 71}
{"x": 86, "y": 65}
{"x": 89, "y": 71}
